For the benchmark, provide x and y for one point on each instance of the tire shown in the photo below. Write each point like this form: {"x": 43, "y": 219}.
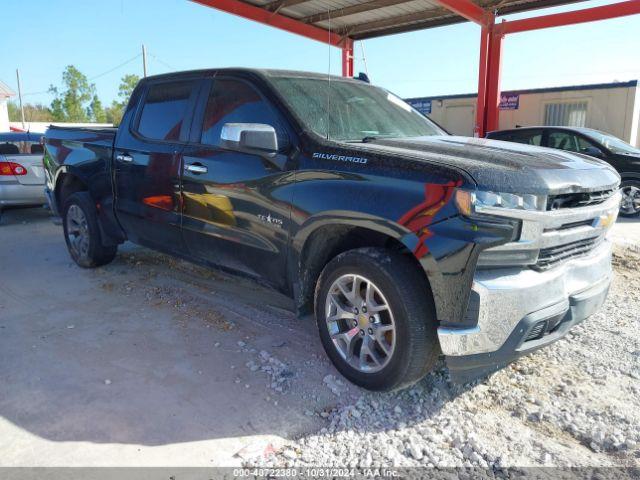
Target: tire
{"x": 630, "y": 190}
{"x": 400, "y": 355}
{"x": 82, "y": 234}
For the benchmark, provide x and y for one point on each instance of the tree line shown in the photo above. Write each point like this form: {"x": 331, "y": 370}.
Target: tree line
{"x": 76, "y": 100}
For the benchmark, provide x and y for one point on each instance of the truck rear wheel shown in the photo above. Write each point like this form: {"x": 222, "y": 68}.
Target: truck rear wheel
{"x": 376, "y": 318}
{"x": 82, "y": 234}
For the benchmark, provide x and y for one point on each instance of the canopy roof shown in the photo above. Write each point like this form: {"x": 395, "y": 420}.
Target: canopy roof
{"x": 360, "y": 19}
{"x": 5, "y": 91}
{"x": 340, "y": 22}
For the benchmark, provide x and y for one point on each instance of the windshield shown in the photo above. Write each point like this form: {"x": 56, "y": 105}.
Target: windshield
{"x": 356, "y": 111}
{"x": 612, "y": 143}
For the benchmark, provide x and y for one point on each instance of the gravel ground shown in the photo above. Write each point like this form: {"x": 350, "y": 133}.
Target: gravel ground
{"x": 231, "y": 377}
{"x": 574, "y": 403}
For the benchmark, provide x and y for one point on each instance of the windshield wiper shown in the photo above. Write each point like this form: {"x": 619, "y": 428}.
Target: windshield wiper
{"x": 370, "y": 138}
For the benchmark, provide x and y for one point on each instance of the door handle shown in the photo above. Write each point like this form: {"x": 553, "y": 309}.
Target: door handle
{"x": 196, "y": 168}
{"x": 124, "y": 157}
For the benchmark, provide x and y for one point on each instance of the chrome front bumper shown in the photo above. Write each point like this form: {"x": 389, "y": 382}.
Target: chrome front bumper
{"x": 502, "y": 298}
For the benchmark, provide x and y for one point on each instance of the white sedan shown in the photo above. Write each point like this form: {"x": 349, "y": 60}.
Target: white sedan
{"x": 21, "y": 171}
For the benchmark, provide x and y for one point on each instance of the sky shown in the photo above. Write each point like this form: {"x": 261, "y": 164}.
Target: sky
{"x": 103, "y": 38}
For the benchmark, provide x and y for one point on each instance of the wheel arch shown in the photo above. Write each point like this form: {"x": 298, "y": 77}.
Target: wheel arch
{"x": 322, "y": 239}
{"x": 67, "y": 183}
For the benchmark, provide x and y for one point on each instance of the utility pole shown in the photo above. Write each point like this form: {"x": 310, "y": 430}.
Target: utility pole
{"x": 20, "y": 98}
{"x": 144, "y": 60}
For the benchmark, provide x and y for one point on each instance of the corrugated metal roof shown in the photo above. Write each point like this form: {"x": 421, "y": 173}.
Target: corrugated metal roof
{"x": 5, "y": 91}
{"x": 360, "y": 19}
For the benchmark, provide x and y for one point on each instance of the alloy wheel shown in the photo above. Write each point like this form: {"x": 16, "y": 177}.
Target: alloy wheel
{"x": 630, "y": 199}
{"x": 78, "y": 231}
{"x": 360, "y": 323}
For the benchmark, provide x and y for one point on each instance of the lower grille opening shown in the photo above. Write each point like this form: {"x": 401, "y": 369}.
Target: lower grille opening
{"x": 537, "y": 331}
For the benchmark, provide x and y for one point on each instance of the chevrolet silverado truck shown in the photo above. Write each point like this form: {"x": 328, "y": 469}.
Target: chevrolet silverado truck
{"x": 407, "y": 243}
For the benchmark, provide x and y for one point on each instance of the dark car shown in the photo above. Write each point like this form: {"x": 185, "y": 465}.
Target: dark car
{"x": 405, "y": 241}
{"x": 622, "y": 156}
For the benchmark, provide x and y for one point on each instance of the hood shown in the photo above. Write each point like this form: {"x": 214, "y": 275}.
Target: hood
{"x": 631, "y": 161}
{"x": 506, "y": 166}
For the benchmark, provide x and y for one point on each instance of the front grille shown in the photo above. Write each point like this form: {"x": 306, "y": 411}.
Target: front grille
{"x": 568, "y": 226}
{"x": 575, "y": 200}
{"x": 552, "y": 256}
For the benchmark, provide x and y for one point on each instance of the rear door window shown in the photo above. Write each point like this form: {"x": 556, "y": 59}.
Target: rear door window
{"x": 527, "y": 137}
{"x": 164, "y": 110}
{"x": 563, "y": 141}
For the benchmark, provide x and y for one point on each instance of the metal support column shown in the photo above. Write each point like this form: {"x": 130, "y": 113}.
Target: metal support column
{"x": 483, "y": 71}
{"x": 493, "y": 82}
{"x": 347, "y": 58}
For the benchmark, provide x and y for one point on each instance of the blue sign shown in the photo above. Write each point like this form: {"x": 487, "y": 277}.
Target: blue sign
{"x": 423, "y": 106}
{"x": 509, "y": 101}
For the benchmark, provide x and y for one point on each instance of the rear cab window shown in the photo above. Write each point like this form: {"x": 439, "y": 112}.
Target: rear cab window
{"x": 164, "y": 110}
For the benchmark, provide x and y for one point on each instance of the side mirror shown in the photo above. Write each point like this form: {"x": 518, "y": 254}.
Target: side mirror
{"x": 257, "y": 138}
{"x": 593, "y": 152}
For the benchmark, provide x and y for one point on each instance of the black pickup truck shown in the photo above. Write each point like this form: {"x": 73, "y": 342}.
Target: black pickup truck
{"x": 406, "y": 242}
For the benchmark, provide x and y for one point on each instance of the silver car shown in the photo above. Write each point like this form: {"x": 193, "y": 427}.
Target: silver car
{"x": 21, "y": 171}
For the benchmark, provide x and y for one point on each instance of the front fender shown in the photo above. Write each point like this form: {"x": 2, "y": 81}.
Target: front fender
{"x": 350, "y": 219}
{"x": 445, "y": 245}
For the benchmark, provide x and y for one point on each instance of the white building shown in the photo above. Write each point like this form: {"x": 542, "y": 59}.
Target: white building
{"x": 41, "y": 127}
{"x": 611, "y": 107}
{"x": 5, "y": 94}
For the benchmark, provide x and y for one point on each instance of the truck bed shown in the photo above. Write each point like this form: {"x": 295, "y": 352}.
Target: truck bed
{"x": 81, "y": 134}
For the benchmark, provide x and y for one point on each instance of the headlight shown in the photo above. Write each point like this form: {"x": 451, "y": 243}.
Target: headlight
{"x": 468, "y": 201}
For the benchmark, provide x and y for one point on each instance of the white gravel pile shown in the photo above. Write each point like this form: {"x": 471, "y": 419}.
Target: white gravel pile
{"x": 573, "y": 403}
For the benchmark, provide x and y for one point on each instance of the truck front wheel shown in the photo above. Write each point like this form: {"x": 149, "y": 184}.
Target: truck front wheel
{"x": 82, "y": 234}
{"x": 376, "y": 318}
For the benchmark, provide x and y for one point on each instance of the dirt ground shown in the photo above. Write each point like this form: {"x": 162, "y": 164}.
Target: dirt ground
{"x": 145, "y": 359}
{"x": 151, "y": 361}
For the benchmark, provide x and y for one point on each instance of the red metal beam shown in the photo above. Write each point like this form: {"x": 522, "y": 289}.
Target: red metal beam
{"x": 483, "y": 73}
{"x": 347, "y": 58}
{"x": 493, "y": 82}
{"x": 261, "y": 15}
{"x": 621, "y": 9}
{"x": 468, "y": 10}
